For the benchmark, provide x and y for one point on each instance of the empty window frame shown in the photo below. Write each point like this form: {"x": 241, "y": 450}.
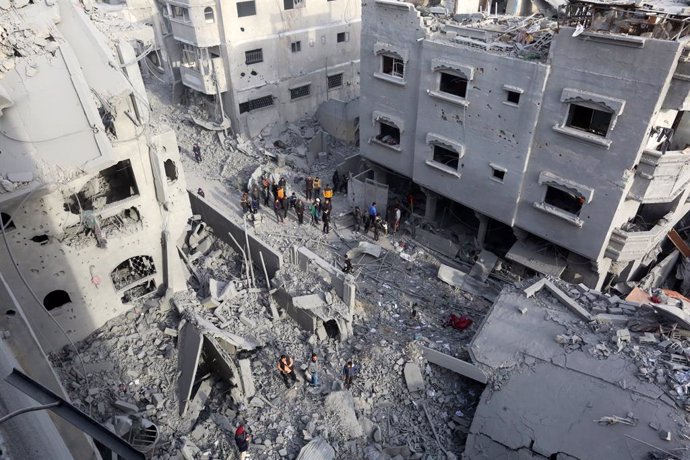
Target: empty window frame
{"x": 561, "y": 199}
{"x": 513, "y": 97}
{"x": 445, "y": 156}
{"x": 208, "y": 15}
{"x": 7, "y": 222}
{"x": 388, "y": 134}
{"x": 179, "y": 13}
{"x": 335, "y": 81}
{"x": 342, "y": 37}
{"x": 589, "y": 119}
{"x": 453, "y": 84}
{"x": 392, "y": 65}
{"x": 301, "y": 91}
{"x": 498, "y": 174}
{"x": 246, "y": 9}
{"x": 296, "y": 46}
{"x": 132, "y": 270}
{"x": 56, "y": 299}
{"x": 255, "y": 104}
{"x": 254, "y": 56}
{"x": 292, "y": 4}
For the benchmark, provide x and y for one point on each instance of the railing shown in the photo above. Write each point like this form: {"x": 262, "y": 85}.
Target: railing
{"x": 629, "y": 245}
{"x": 661, "y": 177}
{"x": 202, "y": 78}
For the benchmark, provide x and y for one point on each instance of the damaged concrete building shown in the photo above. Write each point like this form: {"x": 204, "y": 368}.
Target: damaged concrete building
{"x": 248, "y": 64}
{"x": 568, "y": 134}
{"x": 92, "y": 197}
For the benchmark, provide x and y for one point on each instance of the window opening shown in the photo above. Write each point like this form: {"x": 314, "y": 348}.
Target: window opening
{"x": 335, "y": 81}
{"x": 109, "y": 186}
{"x": 254, "y": 104}
{"x": 566, "y": 201}
{"x": 588, "y": 119}
{"x": 388, "y": 134}
{"x": 341, "y": 37}
{"x": 300, "y": 91}
{"x": 132, "y": 270}
{"x": 296, "y": 46}
{"x": 393, "y": 66}
{"x": 254, "y": 56}
{"x": 7, "y": 222}
{"x": 246, "y": 9}
{"x": 170, "y": 170}
{"x": 446, "y": 156}
{"x": 208, "y": 15}
{"x": 43, "y": 239}
{"x": 56, "y": 299}
{"x": 138, "y": 291}
{"x": 498, "y": 174}
{"x": 513, "y": 97}
{"x": 453, "y": 84}
{"x": 179, "y": 13}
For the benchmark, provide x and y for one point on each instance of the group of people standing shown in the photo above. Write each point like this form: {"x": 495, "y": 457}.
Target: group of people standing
{"x": 372, "y": 219}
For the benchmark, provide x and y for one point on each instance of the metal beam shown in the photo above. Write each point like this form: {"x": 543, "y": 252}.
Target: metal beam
{"x": 71, "y": 414}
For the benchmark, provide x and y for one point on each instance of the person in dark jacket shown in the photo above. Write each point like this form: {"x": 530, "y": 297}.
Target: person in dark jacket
{"x": 278, "y": 209}
{"x": 299, "y": 210}
{"x": 357, "y": 216}
{"x": 242, "y": 439}
{"x": 336, "y": 181}
{"x": 326, "y": 216}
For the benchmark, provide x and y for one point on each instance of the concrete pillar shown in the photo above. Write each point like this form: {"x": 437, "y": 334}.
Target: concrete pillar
{"x": 430, "y": 208}
{"x": 483, "y": 227}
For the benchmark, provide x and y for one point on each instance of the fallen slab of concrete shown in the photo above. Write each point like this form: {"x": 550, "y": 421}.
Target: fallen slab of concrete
{"x": 317, "y": 449}
{"x": 484, "y": 265}
{"x": 437, "y": 243}
{"x": 364, "y": 247}
{"x": 413, "y": 377}
{"x": 189, "y": 352}
{"x": 456, "y": 365}
{"x": 564, "y": 298}
{"x": 467, "y": 283}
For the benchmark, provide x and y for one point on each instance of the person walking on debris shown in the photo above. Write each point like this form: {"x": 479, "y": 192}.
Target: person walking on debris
{"x": 373, "y": 212}
{"x": 336, "y": 181}
{"x": 282, "y": 182}
{"x": 292, "y": 201}
{"x": 286, "y": 367}
{"x": 253, "y": 207}
{"x": 314, "y": 212}
{"x": 377, "y": 227}
{"x": 349, "y": 372}
{"x": 326, "y": 219}
{"x": 299, "y": 210}
{"x": 242, "y": 439}
{"x": 196, "y": 150}
{"x": 256, "y": 195}
{"x": 366, "y": 220}
{"x": 278, "y": 209}
{"x": 348, "y": 265}
{"x": 313, "y": 370}
{"x": 280, "y": 196}
{"x": 317, "y": 187}
{"x": 201, "y": 193}
{"x": 244, "y": 202}
{"x": 309, "y": 187}
{"x": 357, "y": 216}
{"x": 265, "y": 189}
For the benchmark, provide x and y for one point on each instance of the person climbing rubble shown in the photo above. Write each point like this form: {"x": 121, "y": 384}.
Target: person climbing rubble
{"x": 313, "y": 370}
{"x": 278, "y": 209}
{"x": 196, "y": 150}
{"x": 336, "y": 181}
{"x": 299, "y": 210}
{"x": 349, "y": 372}
{"x": 242, "y": 439}
{"x": 317, "y": 187}
{"x": 348, "y": 265}
{"x": 309, "y": 187}
{"x": 357, "y": 217}
{"x": 286, "y": 368}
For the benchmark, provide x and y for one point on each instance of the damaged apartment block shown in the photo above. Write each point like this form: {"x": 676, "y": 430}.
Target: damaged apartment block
{"x": 500, "y": 117}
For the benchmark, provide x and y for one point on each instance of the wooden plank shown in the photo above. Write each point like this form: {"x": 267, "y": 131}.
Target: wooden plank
{"x": 679, "y": 243}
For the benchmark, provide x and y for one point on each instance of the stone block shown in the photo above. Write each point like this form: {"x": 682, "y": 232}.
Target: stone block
{"x": 413, "y": 377}
{"x": 125, "y": 406}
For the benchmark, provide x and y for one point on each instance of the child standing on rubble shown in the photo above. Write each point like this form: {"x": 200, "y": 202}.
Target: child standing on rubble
{"x": 242, "y": 439}
{"x": 349, "y": 372}
{"x": 313, "y": 369}
{"x": 286, "y": 368}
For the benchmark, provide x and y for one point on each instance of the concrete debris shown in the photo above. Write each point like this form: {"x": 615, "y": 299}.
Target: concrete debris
{"x": 340, "y": 406}
{"x": 317, "y": 449}
{"x": 413, "y": 377}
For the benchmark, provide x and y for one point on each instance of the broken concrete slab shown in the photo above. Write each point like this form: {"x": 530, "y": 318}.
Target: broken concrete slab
{"x": 340, "y": 405}
{"x": 531, "y": 254}
{"x": 189, "y": 352}
{"x": 124, "y": 406}
{"x": 436, "y": 242}
{"x": 245, "y": 368}
{"x": 365, "y": 247}
{"x": 413, "y": 377}
{"x": 456, "y": 365}
{"x": 482, "y": 268}
{"x": 317, "y": 449}
{"x": 308, "y": 302}
{"x": 673, "y": 313}
{"x": 564, "y": 298}
{"x": 462, "y": 280}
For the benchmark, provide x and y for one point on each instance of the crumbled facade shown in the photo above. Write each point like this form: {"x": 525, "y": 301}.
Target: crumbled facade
{"x": 572, "y": 132}
{"x": 92, "y": 198}
{"x": 250, "y": 64}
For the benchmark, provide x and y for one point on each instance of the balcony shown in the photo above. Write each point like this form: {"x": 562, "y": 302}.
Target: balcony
{"x": 200, "y": 76}
{"x": 661, "y": 177}
{"x": 631, "y": 244}
{"x": 193, "y": 29}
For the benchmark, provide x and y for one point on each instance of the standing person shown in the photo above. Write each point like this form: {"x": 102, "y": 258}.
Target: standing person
{"x": 367, "y": 223}
{"x": 292, "y": 201}
{"x": 253, "y": 207}
{"x": 357, "y": 216}
{"x": 256, "y": 195}
{"x": 326, "y": 219}
{"x": 201, "y": 193}
{"x": 373, "y": 212}
{"x": 317, "y": 187}
{"x": 278, "y": 209}
{"x": 327, "y": 193}
{"x": 242, "y": 439}
{"x": 286, "y": 367}
{"x": 196, "y": 150}
{"x": 299, "y": 210}
{"x": 349, "y": 372}
{"x": 348, "y": 265}
{"x": 282, "y": 182}
{"x": 377, "y": 227}
{"x": 310, "y": 186}
{"x": 244, "y": 202}
{"x": 336, "y": 181}
{"x": 274, "y": 188}
{"x": 343, "y": 183}
{"x": 280, "y": 196}
{"x": 265, "y": 189}
{"x": 313, "y": 211}
{"x": 313, "y": 369}
{"x": 396, "y": 220}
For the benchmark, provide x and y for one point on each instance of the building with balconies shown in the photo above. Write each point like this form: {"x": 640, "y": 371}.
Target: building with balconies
{"x": 257, "y": 63}
{"x": 570, "y": 134}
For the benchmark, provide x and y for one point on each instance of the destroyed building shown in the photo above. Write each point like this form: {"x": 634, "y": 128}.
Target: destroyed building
{"x": 571, "y": 132}
{"x": 248, "y": 64}
{"x": 92, "y": 197}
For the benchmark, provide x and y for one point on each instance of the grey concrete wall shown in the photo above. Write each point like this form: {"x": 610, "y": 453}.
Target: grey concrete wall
{"x": 221, "y": 226}
{"x": 491, "y": 131}
{"x": 640, "y": 77}
{"x": 340, "y": 119}
{"x": 399, "y": 26}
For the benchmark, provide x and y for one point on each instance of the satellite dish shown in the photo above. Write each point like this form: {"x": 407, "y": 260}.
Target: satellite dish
{"x": 578, "y": 30}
